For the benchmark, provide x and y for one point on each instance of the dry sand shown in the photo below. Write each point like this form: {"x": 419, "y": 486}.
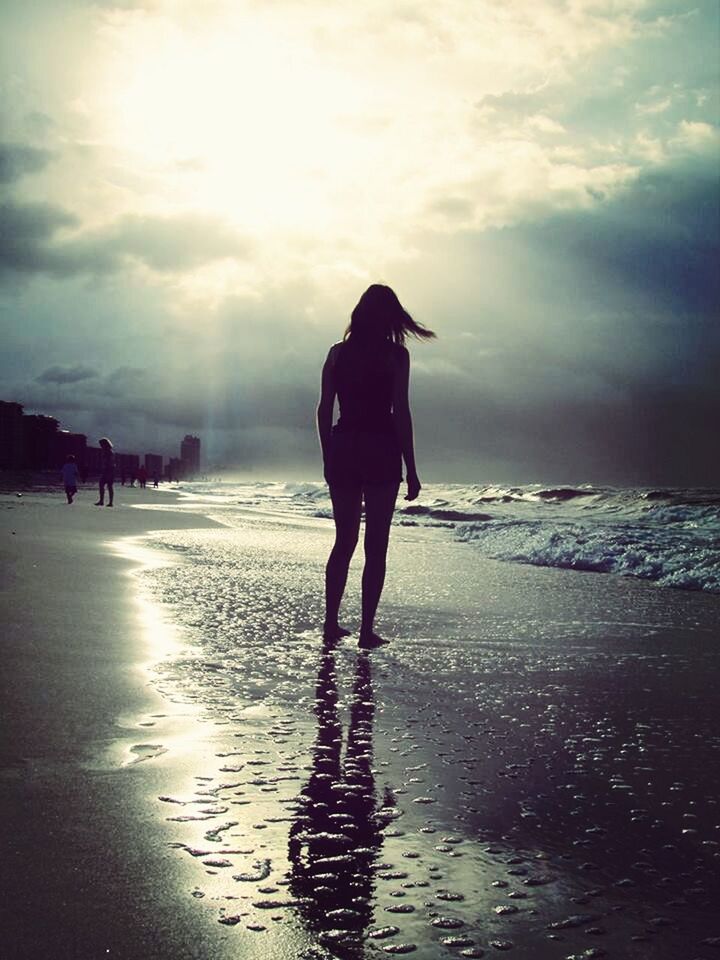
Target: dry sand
{"x": 531, "y": 768}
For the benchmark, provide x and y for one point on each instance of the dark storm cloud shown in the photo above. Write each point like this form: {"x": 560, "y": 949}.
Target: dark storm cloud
{"x": 26, "y": 234}
{"x": 586, "y": 345}
{"x": 244, "y": 375}
{"x": 661, "y": 236}
{"x": 29, "y": 242}
{"x": 17, "y": 160}
{"x": 132, "y": 405}
{"x": 74, "y": 374}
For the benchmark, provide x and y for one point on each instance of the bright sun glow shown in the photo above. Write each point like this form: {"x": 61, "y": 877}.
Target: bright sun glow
{"x": 331, "y": 138}
{"x": 299, "y": 130}
{"x": 245, "y": 122}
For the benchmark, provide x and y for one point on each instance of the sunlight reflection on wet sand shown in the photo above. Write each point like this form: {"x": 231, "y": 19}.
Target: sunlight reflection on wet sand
{"x": 452, "y": 795}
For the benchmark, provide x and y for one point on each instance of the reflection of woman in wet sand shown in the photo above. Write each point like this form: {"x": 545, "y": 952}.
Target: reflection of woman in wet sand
{"x": 369, "y": 373}
{"x": 337, "y": 835}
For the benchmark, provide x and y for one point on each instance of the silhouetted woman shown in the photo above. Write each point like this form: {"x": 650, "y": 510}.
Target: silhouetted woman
{"x": 107, "y": 472}
{"x": 369, "y": 373}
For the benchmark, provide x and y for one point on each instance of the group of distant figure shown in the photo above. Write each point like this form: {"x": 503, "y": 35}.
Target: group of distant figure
{"x": 71, "y": 476}
{"x": 140, "y": 476}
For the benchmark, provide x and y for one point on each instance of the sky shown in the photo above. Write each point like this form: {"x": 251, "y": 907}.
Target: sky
{"x": 193, "y": 196}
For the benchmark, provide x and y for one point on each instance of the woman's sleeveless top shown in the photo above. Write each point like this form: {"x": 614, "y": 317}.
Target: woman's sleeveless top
{"x": 364, "y": 379}
{"x": 107, "y": 463}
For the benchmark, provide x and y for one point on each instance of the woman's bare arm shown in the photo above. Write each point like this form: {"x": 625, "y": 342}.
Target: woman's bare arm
{"x": 327, "y": 402}
{"x": 402, "y": 419}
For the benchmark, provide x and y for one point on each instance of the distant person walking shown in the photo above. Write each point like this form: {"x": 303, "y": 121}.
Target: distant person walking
{"x": 107, "y": 472}
{"x": 369, "y": 373}
{"x": 142, "y": 477}
{"x": 70, "y": 477}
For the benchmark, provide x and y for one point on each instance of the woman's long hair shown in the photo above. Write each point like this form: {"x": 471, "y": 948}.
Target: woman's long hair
{"x": 379, "y": 315}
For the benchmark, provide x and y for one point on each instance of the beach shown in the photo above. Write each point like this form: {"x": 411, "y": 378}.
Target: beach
{"x": 530, "y": 767}
{"x": 83, "y": 873}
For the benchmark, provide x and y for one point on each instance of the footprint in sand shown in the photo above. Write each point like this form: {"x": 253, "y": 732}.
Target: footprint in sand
{"x": 145, "y": 751}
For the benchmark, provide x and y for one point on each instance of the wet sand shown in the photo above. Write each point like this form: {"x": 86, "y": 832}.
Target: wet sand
{"x": 530, "y": 768}
{"x": 84, "y": 871}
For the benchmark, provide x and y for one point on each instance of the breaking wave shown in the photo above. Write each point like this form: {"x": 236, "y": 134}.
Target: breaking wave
{"x": 669, "y": 558}
{"x": 668, "y": 535}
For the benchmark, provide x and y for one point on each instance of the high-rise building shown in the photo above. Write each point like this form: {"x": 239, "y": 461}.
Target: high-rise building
{"x": 127, "y": 465}
{"x": 74, "y": 443}
{"x": 190, "y": 453}
{"x": 39, "y": 438}
{"x": 93, "y": 463}
{"x": 175, "y": 469}
{"x": 154, "y": 465}
{"x": 11, "y": 435}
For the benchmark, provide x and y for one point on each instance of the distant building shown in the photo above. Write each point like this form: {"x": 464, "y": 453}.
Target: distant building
{"x": 74, "y": 443}
{"x": 12, "y": 454}
{"x": 175, "y": 469}
{"x": 126, "y": 465}
{"x": 35, "y": 442}
{"x": 39, "y": 439}
{"x": 154, "y": 465}
{"x": 190, "y": 453}
{"x": 93, "y": 463}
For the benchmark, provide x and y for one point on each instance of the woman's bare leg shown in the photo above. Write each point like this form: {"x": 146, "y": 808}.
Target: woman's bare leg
{"x": 347, "y": 505}
{"x": 379, "y": 505}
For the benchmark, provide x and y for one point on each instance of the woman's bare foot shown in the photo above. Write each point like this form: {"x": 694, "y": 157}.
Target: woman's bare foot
{"x": 368, "y": 641}
{"x": 334, "y": 632}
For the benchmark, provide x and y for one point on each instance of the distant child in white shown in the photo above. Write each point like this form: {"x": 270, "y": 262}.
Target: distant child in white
{"x": 71, "y": 476}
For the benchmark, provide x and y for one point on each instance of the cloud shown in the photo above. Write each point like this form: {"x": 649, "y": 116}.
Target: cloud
{"x": 29, "y": 242}
{"x": 586, "y": 344}
{"x": 26, "y": 234}
{"x": 74, "y": 374}
{"x": 660, "y": 237}
{"x": 580, "y": 347}
{"x": 546, "y": 201}
{"x": 172, "y": 243}
{"x": 17, "y": 160}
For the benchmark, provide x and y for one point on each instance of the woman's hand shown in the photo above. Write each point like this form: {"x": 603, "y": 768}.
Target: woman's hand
{"x": 413, "y": 486}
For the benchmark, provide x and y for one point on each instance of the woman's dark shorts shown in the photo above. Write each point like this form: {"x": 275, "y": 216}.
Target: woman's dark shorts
{"x": 356, "y": 458}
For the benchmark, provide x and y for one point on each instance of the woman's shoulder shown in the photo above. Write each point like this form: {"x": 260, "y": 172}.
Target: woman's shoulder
{"x": 334, "y": 352}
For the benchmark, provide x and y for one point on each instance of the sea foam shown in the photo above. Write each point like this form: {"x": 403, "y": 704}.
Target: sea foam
{"x": 669, "y": 536}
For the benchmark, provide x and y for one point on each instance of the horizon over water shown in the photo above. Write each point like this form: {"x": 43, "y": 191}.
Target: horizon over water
{"x": 670, "y": 536}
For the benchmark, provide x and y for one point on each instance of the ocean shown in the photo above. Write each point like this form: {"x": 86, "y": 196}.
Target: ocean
{"x": 668, "y": 536}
